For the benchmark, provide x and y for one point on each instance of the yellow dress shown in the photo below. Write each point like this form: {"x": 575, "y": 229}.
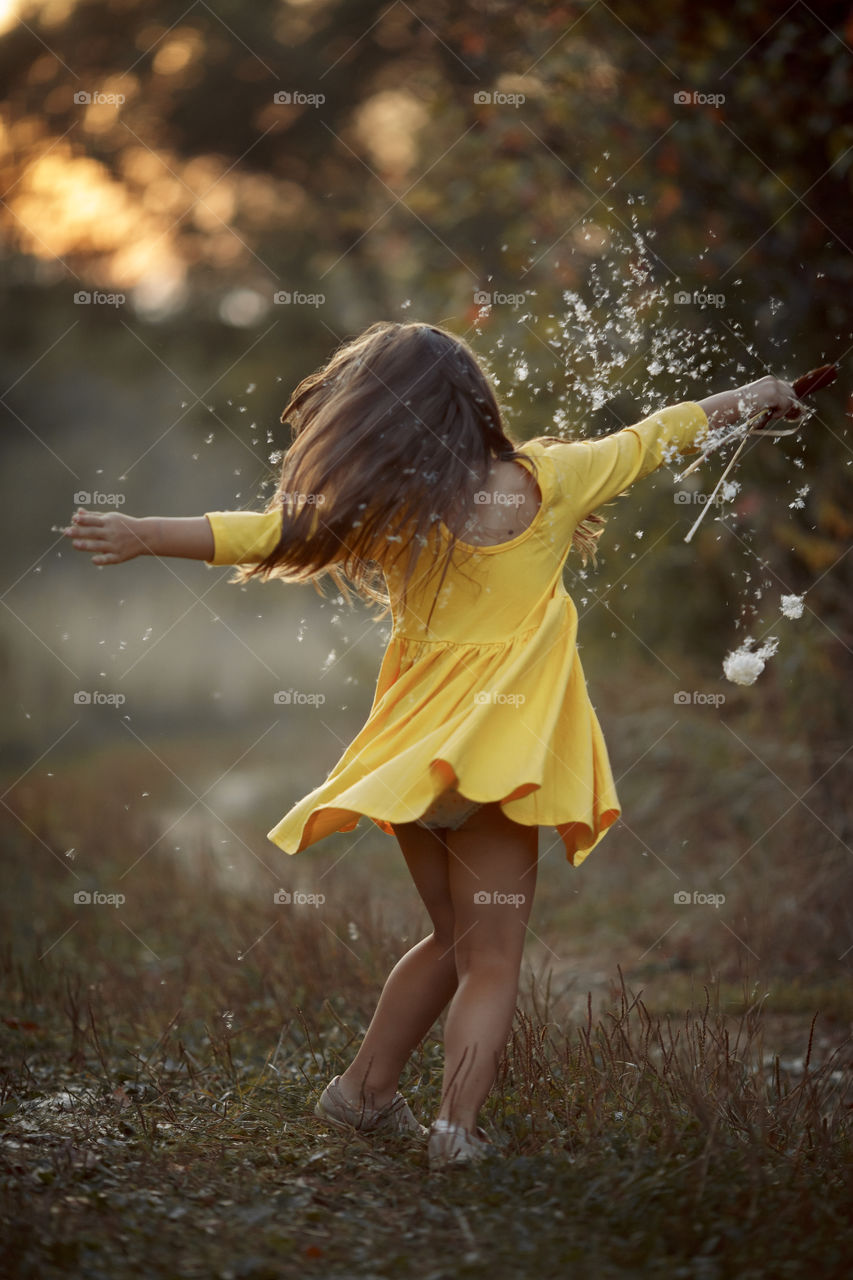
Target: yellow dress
{"x": 493, "y": 700}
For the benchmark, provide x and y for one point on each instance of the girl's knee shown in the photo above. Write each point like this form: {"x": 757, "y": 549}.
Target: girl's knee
{"x": 501, "y": 959}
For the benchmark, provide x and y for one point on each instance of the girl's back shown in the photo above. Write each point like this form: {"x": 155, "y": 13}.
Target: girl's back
{"x": 499, "y": 586}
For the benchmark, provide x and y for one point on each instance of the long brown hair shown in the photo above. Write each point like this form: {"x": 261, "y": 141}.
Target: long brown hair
{"x": 391, "y": 440}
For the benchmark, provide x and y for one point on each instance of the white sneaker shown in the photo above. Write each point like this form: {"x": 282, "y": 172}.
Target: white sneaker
{"x": 451, "y": 1144}
{"x": 396, "y": 1117}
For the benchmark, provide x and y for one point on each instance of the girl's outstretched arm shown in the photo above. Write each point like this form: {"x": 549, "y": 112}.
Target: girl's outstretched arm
{"x": 729, "y": 407}
{"x": 113, "y": 538}
{"x": 593, "y": 471}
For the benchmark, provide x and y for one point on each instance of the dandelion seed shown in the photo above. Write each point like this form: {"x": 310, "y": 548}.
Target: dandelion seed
{"x": 792, "y": 606}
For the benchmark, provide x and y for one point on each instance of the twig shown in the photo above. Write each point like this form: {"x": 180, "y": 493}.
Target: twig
{"x": 704, "y": 511}
{"x": 758, "y": 424}
{"x": 752, "y": 424}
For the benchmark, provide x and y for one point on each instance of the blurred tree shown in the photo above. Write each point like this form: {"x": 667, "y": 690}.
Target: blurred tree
{"x": 379, "y": 153}
{"x": 402, "y": 170}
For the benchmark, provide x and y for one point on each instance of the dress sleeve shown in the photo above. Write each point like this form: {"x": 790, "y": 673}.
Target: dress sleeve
{"x": 592, "y": 472}
{"x": 243, "y": 537}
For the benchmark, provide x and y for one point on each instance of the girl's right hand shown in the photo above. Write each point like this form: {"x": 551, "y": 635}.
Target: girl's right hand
{"x": 112, "y": 537}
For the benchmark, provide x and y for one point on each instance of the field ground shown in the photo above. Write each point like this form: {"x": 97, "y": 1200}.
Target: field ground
{"x": 675, "y": 1099}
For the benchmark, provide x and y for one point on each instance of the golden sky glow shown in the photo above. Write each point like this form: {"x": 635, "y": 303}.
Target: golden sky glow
{"x": 145, "y": 216}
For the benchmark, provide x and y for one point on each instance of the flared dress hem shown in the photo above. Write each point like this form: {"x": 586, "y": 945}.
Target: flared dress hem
{"x": 579, "y": 837}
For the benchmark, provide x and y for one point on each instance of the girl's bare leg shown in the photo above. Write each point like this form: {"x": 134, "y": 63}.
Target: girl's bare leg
{"x": 492, "y": 875}
{"x": 474, "y": 951}
{"x": 417, "y": 988}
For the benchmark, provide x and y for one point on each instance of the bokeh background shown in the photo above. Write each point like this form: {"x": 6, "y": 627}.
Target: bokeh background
{"x": 620, "y": 205}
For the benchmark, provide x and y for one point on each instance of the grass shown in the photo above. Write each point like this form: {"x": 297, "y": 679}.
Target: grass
{"x": 161, "y": 1060}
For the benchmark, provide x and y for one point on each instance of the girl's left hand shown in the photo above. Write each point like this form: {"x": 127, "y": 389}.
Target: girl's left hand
{"x": 774, "y": 396}
{"x": 111, "y": 536}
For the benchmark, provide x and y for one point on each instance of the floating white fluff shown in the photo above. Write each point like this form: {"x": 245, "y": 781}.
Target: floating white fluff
{"x": 743, "y": 666}
{"x": 792, "y": 606}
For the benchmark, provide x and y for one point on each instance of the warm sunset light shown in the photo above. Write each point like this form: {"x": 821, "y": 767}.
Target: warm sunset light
{"x": 426, "y": 470}
{"x": 10, "y": 12}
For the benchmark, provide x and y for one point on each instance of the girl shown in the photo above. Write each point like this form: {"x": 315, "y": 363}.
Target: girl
{"x": 403, "y": 483}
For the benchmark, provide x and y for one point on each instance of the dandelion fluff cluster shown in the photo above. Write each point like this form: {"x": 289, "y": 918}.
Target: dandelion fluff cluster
{"x": 744, "y": 666}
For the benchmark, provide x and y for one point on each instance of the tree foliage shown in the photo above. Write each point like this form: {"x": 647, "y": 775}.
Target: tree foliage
{"x": 427, "y": 153}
